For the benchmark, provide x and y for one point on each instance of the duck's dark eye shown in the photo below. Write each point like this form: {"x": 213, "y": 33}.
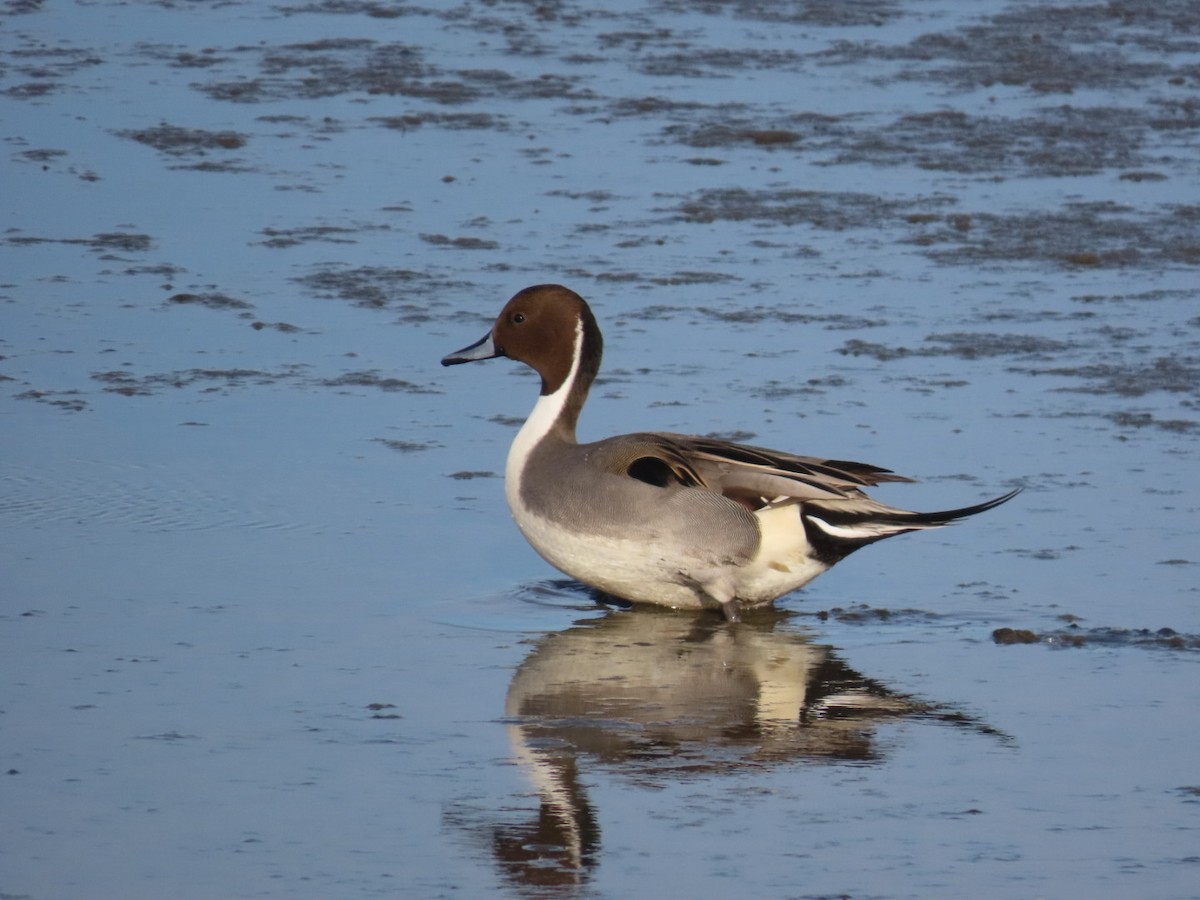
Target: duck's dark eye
{"x": 518, "y": 318}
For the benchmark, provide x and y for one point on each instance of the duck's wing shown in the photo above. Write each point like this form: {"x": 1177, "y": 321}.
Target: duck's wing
{"x": 754, "y": 476}
{"x": 838, "y": 516}
{"x": 757, "y": 475}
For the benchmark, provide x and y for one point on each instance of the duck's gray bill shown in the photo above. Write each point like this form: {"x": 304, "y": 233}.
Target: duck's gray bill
{"x": 484, "y": 348}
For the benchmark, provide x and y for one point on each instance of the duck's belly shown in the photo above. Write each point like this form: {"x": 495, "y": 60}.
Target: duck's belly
{"x": 630, "y": 569}
{"x": 646, "y": 571}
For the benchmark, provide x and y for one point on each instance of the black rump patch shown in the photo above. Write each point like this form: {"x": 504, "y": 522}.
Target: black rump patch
{"x": 651, "y": 470}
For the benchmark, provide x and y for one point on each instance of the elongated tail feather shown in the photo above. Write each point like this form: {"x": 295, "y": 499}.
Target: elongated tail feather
{"x": 836, "y": 528}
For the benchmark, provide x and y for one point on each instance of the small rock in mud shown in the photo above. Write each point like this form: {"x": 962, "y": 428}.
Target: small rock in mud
{"x": 1014, "y": 636}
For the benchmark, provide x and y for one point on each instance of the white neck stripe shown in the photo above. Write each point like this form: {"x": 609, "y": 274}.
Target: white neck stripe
{"x": 545, "y": 414}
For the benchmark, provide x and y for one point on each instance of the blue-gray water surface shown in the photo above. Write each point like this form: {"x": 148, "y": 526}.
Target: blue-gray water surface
{"x": 266, "y": 627}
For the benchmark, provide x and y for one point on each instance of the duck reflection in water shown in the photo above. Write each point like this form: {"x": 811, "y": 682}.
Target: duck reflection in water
{"x": 657, "y": 696}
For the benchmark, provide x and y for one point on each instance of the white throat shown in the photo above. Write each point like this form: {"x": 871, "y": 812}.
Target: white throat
{"x": 540, "y": 422}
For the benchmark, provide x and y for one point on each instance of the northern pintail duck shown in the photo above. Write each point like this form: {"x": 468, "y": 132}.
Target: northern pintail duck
{"x": 670, "y": 519}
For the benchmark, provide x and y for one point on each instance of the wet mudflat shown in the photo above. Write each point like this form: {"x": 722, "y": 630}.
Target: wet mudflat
{"x": 266, "y": 627}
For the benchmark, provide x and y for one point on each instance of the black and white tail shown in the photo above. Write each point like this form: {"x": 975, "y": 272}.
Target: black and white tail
{"x": 836, "y": 528}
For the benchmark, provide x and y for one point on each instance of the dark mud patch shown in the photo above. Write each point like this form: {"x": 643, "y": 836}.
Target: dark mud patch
{"x": 41, "y": 155}
{"x": 1074, "y": 636}
{"x": 337, "y": 66}
{"x": 416, "y": 295}
{"x": 755, "y": 316}
{"x": 1043, "y": 553}
{"x": 45, "y": 69}
{"x": 1085, "y": 234}
{"x": 962, "y": 345}
{"x": 458, "y": 121}
{"x": 67, "y": 401}
{"x": 1036, "y": 316}
{"x": 1010, "y": 49}
{"x": 284, "y": 327}
{"x": 710, "y": 62}
{"x": 380, "y": 711}
{"x": 128, "y": 384}
{"x": 1055, "y": 142}
{"x": 816, "y": 13}
{"x": 1170, "y": 374}
{"x": 52, "y": 159}
{"x": 864, "y": 614}
{"x": 471, "y": 475}
{"x": 832, "y": 210}
{"x": 506, "y": 421}
{"x": 370, "y": 8}
{"x": 672, "y": 279}
{"x": 282, "y": 238}
{"x": 735, "y": 126}
{"x": 1137, "y": 419}
{"x": 1141, "y": 297}
{"x": 779, "y": 390}
{"x": 175, "y": 140}
{"x": 459, "y": 243}
{"x": 105, "y": 242}
{"x": 373, "y": 379}
{"x": 20, "y": 7}
{"x": 158, "y": 270}
{"x": 401, "y": 446}
{"x": 598, "y": 197}
{"x": 212, "y": 300}
{"x": 1048, "y": 49}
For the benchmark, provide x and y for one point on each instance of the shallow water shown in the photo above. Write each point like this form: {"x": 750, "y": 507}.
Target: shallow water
{"x": 267, "y": 629}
